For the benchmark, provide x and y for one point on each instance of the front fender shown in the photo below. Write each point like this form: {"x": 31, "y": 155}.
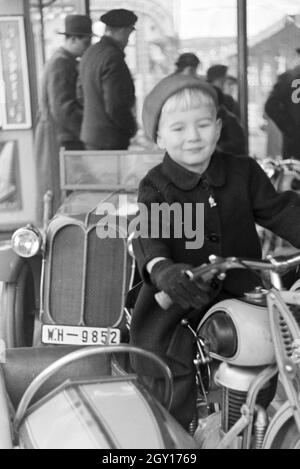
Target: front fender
{"x": 10, "y": 263}
{"x": 279, "y": 426}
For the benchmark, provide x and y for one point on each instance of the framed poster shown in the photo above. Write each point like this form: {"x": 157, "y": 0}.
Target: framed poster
{"x": 10, "y": 190}
{"x": 14, "y": 82}
{"x": 17, "y": 181}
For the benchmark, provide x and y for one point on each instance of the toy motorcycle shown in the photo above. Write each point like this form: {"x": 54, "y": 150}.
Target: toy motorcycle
{"x": 252, "y": 341}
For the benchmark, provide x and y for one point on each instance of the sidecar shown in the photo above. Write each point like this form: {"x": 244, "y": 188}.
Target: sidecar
{"x": 63, "y": 286}
{"x": 83, "y": 399}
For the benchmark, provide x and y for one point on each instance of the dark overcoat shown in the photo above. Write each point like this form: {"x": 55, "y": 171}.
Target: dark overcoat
{"x": 109, "y": 97}
{"x": 59, "y": 120}
{"x": 236, "y": 194}
{"x": 284, "y": 110}
{"x": 232, "y": 139}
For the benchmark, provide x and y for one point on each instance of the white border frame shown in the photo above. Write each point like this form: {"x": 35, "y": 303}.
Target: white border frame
{"x": 25, "y": 82}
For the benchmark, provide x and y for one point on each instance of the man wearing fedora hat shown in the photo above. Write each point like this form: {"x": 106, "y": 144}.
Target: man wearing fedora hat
{"x": 285, "y": 111}
{"x": 60, "y": 113}
{"x": 107, "y": 86}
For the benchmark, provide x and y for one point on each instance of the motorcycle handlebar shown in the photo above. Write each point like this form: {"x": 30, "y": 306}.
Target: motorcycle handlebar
{"x": 280, "y": 163}
{"x": 220, "y": 265}
{"x": 287, "y": 262}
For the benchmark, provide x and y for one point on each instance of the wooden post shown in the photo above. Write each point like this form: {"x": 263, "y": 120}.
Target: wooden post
{"x": 243, "y": 65}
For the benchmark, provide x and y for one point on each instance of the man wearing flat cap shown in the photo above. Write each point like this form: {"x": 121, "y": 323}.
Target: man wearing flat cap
{"x": 60, "y": 113}
{"x": 216, "y": 75}
{"x": 107, "y": 86}
{"x": 282, "y": 107}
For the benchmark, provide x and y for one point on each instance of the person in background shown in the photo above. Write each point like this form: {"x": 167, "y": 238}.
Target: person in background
{"x": 232, "y": 139}
{"x": 187, "y": 64}
{"x": 283, "y": 107}
{"x": 216, "y": 75}
{"x": 231, "y": 86}
{"x": 107, "y": 86}
{"x": 60, "y": 113}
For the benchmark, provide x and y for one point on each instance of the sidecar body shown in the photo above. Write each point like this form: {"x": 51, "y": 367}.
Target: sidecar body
{"x": 82, "y": 399}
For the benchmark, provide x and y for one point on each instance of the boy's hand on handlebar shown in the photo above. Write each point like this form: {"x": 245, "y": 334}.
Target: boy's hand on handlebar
{"x": 175, "y": 280}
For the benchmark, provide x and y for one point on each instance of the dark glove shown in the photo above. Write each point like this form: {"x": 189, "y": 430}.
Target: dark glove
{"x": 171, "y": 278}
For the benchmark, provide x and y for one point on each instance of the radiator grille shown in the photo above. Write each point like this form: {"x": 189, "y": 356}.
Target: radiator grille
{"x": 104, "y": 280}
{"x": 87, "y": 278}
{"x": 66, "y": 274}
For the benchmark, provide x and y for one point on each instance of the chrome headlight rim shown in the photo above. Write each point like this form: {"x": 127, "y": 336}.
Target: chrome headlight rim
{"x": 26, "y": 234}
{"x": 129, "y": 244}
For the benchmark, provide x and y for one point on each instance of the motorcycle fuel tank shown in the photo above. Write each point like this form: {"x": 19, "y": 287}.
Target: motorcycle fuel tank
{"x": 239, "y": 333}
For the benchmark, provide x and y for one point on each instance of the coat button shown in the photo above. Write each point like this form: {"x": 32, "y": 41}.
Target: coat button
{"x": 204, "y": 184}
{"x": 215, "y": 284}
{"x": 214, "y": 238}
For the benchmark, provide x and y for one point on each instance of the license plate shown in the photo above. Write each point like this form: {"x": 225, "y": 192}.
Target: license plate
{"x": 79, "y": 335}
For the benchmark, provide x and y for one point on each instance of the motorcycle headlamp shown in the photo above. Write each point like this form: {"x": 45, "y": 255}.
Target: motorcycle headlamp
{"x": 26, "y": 241}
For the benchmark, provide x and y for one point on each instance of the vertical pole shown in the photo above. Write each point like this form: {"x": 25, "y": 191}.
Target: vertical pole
{"x": 243, "y": 65}
{"x": 87, "y": 7}
{"x": 32, "y": 71}
{"x": 41, "y": 6}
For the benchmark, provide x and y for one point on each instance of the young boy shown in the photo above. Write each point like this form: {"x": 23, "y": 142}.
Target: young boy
{"x": 180, "y": 114}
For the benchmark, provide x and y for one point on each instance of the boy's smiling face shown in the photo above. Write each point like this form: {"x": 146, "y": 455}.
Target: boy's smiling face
{"x": 190, "y": 136}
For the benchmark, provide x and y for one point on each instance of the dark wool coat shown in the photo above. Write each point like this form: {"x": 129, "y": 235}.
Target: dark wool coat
{"x": 232, "y": 105}
{"x": 282, "y": 109}
{"x": 244, "y": 196}
{"x": 59, "y": 120}
{"x": 109, "y": 97}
